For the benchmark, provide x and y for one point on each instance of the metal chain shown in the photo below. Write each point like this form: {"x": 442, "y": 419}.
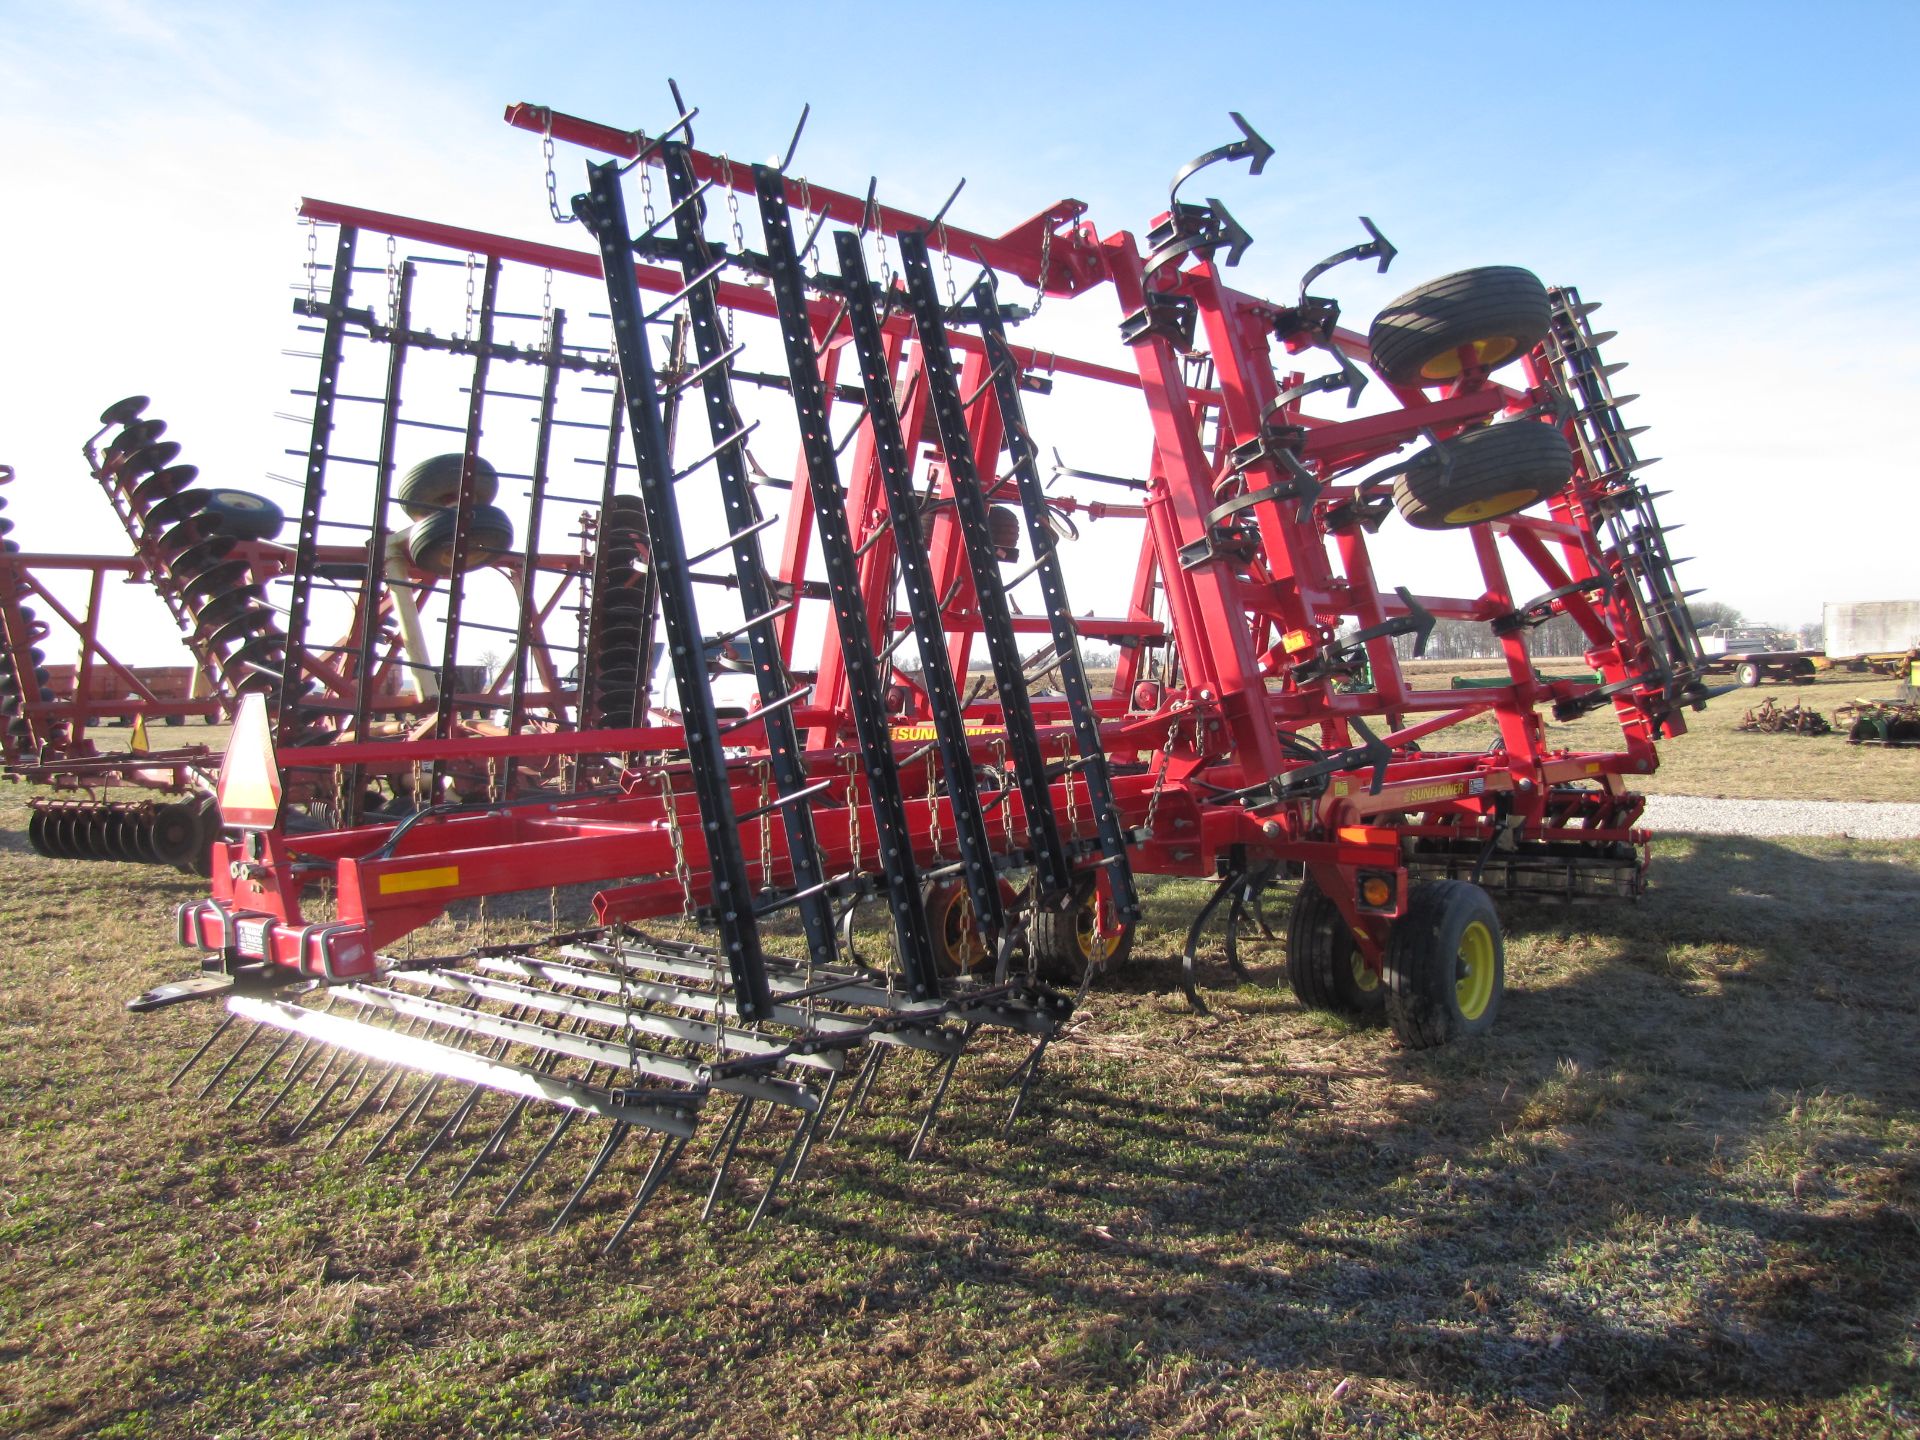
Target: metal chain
{"x": 546, "y": 309}
{"x": 933, "y": 809}
{"x": 1073, "y": 792}
{"x": 646, "y": 196}
{"x": 946, "y": 264}
{"x": 472, "y": 259}
{"x": 393, "y": 280}
{"x": 1160, "y": 780}
{"x": 812, "y": 258}
{"x": 766, "y": 825}
{"x": 681, "y": 870}
{"x": 853, "y": 816}
{"x": 1006, "y": 792}
{"x": 313, "y": 262}
{"x": 1040, "y": 285}
{"x": 739, "y": 230}
{"x": 560, "y": 217}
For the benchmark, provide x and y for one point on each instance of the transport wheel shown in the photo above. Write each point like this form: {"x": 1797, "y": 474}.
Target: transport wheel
{"x": 1324, "y": 966}
{"x": 1446, "y": 965}
{"x": 1065, "y": 942}
{"x": 1480, "y": 318}
{"x": 241, "y": 515}
{"x": 1483, "y": 474}
{"x": 1748, "y": 674}
{"x": 434, "y": 484}
{"x": 957, "y": 946}
{"x": 430, "y": 543}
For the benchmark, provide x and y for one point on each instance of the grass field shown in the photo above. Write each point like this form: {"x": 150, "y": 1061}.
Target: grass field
{"x": 1676, "y": 1192}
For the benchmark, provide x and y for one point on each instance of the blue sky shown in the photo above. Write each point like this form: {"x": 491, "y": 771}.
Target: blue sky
{"x": 1740, "y": 184}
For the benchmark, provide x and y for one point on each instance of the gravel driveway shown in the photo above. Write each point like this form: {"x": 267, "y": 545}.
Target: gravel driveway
{"x": 1859, "y": 819}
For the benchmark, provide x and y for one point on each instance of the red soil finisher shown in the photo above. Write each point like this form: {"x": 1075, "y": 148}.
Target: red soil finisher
{"x": 879, "y": 848}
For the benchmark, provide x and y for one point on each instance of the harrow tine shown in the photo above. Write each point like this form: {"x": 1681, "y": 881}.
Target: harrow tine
{"x": 857, "y": 1096}
{"x": 826, "y": 1099}
{"x": 540, "y": 1157}
{"x": 663, "y": 1162}
{"x": 612, "y": 1143}
{"x": 491, "y": 1147}
{"x": 410, "y": 1114}
{"x": 735, "y": 1128}
{"x": 349, "y": 1069}
{"x": 301, "y": 1061}
{"x": 227, "y": 1064}
{"x": 372, "y": 1099}
{"x": 265, "y": 1065}
{"x": 1031, "y": 1067}
{"x": 205, "y": 1046}
{"x": 950, "y": 1064}
{"x": 787, "y": 1160}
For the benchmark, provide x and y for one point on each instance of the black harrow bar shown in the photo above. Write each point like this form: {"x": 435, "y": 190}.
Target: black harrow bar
{"x": 603, "y": 211}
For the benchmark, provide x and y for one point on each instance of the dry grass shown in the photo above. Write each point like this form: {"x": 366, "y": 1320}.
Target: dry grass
{"x": 1676, "y": 1192}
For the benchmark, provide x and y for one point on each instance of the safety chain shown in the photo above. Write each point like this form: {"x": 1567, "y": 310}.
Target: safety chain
{"x": 560, "y": 217}
{"x": 1040, "y": 285}
{"x": 472, "y": 260}
{"x": 1160, "y": 780}
{"x": 766, "y": 825}
{"x": 946, "y": 264}
{"x": 313, "y": 263}
{"x": 853, "y": 816}
{"x": 681, "y": 870}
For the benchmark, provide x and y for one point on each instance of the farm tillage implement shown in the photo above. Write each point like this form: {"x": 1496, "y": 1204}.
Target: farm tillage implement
{"x": 830, "y": 716}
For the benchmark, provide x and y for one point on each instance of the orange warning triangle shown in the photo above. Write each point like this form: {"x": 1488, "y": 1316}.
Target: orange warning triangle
{"x": 139, "y": 743}
{"x": 249, "y": 790}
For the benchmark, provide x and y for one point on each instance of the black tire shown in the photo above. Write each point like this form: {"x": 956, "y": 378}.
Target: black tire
{"x": 1446, "y": 965}
{"x": 1064, "y": 942}
{"x": 1483, "y": 474}
{"x": 1323, "y": 964}
{"x": 241, "y": 515}
{"x": 430, "y": 543}
{"x": 433, "y": 485}
{"x": 1500, "y": 310}
{"x": 1748, "y": 674}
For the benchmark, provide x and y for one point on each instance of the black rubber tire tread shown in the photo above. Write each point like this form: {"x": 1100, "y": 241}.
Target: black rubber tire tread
{"x": 434, "y": 484}
{"x": 1422, "y": 949}
{"x": 1434, "y": 319}
{"x": 241, "y": 514}
{"x": 1520, "y": 457}
{"x": 489, "y": 536}
{"x": 1054, "y": 938}
{"x": 1320, "y": 958}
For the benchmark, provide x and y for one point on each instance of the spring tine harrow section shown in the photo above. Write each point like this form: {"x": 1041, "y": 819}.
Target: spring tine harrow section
{"x": 1052, "y": 871}
{"x": 1023, "y": 457}
{"x": 605, "y": 214}
{"x": 895, "y": 462}
{"x": 868, "y": 703}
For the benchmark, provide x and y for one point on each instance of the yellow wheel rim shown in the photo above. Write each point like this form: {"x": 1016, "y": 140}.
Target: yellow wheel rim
{"x": 1473, "y": 971}
{"x": 1094, "y": 946}
{"x": 1486, "y": 354}
{"x": 961, "y": 935}
{"x": 1364, "y": 980}
{"x": 1505, "y": 503}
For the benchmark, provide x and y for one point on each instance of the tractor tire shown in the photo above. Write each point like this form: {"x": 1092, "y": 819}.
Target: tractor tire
{"x": 489, "y": 536}
{"x": 1497, "y": 313}
{"x": 1065, "y": 942}
{"x": 241, "y": 515}
{"x": 1748, "y": 674}
{"x": 433, "y": 485}
{"x": 1483, "y": 474}
{"x": 1446, "y": 965}
{"x": 1324, "y": 966}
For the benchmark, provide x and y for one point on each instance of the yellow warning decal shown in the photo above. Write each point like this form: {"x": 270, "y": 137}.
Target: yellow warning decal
{"x": 440, "y": 877}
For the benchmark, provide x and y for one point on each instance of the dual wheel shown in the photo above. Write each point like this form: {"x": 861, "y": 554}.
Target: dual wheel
{"x": 1064, "y": 942}
{"x": 1444, "y": 331}
{"x": 1444, "y": 972}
